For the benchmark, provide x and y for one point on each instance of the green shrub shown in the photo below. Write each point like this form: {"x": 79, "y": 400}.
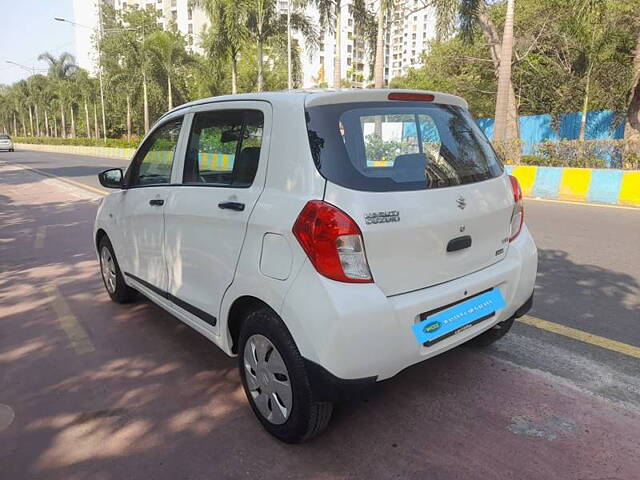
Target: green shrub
{"x": 83, "y": 142}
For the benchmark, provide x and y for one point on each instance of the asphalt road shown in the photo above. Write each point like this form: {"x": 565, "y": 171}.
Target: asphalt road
{"x": 96, "y": 390}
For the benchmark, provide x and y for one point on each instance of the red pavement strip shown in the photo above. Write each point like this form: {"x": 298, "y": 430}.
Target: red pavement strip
{"x": 153, "y": 399}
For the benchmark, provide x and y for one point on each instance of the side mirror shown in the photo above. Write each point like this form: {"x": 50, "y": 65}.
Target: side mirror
{"x": 112, "y": 178}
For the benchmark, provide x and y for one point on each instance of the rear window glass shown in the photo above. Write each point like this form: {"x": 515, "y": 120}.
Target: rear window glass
{"x": 4, "y": 137}
{"x": 385, "y": 146}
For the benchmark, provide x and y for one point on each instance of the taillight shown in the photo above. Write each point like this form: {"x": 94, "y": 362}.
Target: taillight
{"x": 517, "y": 218}
{"x": 333, "y": 242}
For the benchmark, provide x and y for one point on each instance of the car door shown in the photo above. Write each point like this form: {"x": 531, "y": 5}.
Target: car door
{"x": 206, "y": 221}
{"x": 142, "y": 207}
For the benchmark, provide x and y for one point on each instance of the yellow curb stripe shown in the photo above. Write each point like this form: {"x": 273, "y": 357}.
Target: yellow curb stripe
{"x": 630, "y": 188}
{"x": 574, "y": 184}
{"x": 68, "y": 322}
{"x": 598, "y": 341}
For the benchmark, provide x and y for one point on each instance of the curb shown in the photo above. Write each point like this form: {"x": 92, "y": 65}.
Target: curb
{"x": 587, "y": 185}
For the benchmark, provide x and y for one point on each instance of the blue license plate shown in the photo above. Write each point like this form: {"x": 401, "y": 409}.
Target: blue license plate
{"x": 450, "y": 321}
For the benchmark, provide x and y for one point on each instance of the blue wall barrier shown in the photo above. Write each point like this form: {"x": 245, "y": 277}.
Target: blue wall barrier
{"x": 538, "y": 128}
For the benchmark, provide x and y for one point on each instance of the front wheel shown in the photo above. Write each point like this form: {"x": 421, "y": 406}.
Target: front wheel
{"x": 276, "y": 382}
{"x": 119, "y": 291}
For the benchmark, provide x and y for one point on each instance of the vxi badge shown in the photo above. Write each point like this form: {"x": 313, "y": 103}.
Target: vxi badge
{"x": 382, "y": 217}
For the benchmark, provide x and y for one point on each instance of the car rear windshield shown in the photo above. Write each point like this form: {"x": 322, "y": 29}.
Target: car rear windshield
{"x": 4, "y": 137}
{"x": 387, "y": 146}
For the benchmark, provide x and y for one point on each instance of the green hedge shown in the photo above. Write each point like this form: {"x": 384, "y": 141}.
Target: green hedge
{"x": 81, "y": 142}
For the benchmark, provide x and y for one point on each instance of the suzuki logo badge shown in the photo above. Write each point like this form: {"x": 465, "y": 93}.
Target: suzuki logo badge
{"x": 461, "y": 202}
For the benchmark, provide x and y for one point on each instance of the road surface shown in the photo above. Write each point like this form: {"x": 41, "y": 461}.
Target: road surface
{"x": 90, "y": 389}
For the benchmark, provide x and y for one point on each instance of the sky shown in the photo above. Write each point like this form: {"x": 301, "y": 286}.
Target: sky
{"x": 27, "y": 29}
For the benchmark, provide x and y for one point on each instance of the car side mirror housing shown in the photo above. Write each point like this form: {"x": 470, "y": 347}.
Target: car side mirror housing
{"x": 112, "y": 178}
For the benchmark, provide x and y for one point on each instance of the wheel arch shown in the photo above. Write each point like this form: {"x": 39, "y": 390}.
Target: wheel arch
{"x": 100, "y": 234}
{"x": 240, "y": 308}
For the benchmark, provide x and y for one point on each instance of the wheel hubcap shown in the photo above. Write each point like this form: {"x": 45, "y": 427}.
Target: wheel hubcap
{"x": 267, "y": 379}
{"x": 108, "y": 268}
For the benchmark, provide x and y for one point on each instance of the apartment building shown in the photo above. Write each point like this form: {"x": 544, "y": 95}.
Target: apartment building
{"x": 408, "y": 29}
{"x": 188, "y": 21}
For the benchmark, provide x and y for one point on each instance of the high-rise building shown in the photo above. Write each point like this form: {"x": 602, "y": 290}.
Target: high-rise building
{"x": 188, "y": 21}
{"x": 408, "y": 29}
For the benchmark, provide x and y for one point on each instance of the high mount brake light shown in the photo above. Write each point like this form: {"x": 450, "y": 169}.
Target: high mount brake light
{"x": 333, "y": 242}
{"x": 517, "y": 218}
{"x": 411, "y": 97}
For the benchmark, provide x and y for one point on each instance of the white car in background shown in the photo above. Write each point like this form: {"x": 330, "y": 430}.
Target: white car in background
{"x": 329, "y": 239}
{"x": 5, "y": 142}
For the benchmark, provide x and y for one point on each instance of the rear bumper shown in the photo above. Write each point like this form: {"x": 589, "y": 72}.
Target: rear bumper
{"x": 354, "y": 331}
{"x": 326, "y": 387}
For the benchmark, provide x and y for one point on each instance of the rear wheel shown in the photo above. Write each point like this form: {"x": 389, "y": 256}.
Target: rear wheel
{"x": 492, "y": 335}
{"x": 119, "y": 291}
{"x": 275, "y": 380}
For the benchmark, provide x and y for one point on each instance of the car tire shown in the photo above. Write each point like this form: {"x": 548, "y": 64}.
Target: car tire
{"x": 12, "y": 150}
{"x": 112, "y": 278}
{"x": 293, "y": 418}
{"x": 492, "y": 335}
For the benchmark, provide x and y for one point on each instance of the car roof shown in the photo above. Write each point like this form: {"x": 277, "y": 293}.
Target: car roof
{"x": 313, "y": 97}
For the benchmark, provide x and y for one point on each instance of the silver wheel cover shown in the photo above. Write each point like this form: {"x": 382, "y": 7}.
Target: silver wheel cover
{"x": 267, "y": 379}
{"x": 108, "y": 269}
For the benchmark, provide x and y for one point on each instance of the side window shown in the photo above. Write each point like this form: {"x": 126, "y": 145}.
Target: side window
{"x": 224, "y": 148}
{"x": 152, "y": 165}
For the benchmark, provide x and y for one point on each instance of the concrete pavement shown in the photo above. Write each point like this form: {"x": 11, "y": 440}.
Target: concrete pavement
{"x": 106, "y": 391}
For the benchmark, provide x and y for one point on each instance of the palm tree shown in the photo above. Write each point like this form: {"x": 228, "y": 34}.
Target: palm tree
{"x": 169, "y": 51}
{"x": 331, "y": 16}
{"x": 472, "y": 13}
{"x": 228, "y": 31}
{"x": 60, "y": 69}
{"x": 500, "y": 132}
{"x": 385, "y": 8}
{"x": 264, "y": 23}
{"x": 632, "y": 125}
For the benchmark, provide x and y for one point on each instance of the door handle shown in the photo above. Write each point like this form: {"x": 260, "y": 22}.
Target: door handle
{"x": 156, "y": 202}
{"x": 237, "y": 206}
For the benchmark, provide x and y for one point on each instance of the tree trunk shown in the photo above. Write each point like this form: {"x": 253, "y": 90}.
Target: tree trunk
{"x": 55, "y": 127}
{"x": 63, "y": 128}
{"x": 146, "y": 102}
{"x": 632, "y": 124}
{"x": 234, "y": 75}
{"x": 128, "y": 117}
{"x": 337, "y": 57}
{"x": 30, "y": 122}
{"x": 585, "y": 105}
{"x": 15, "y": 126}
{"x": 260, "y": 85}
{"x": 504, "y": 78}
{"x": 95, "y": 121}
{"x": 104, "y": 117}
{"x": 73, "y": 123}
{"x": 86, "y": 118}
{"x": 490, "y": 34}
{"x": 379, "y": 62}
{"x": 169, "y": 95}
{"x": 24, "y": 125}
{"x": 37, "y": 120}
{"x": 47, "y": 133}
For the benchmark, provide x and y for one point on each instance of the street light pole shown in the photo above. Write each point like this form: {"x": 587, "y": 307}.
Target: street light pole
{"x": 60, "y": 19}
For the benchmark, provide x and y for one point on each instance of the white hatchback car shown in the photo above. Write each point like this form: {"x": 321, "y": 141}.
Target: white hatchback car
{"x": 329, "y": 239}
{"x": 5, "y": 142}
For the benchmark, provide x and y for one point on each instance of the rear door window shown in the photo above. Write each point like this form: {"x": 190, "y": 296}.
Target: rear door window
{"x": 384, "y": 146}
{"x": 224, "y": 148}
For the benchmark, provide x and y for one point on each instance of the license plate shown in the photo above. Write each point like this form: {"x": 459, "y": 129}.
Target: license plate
{"x": 461, "y": 316}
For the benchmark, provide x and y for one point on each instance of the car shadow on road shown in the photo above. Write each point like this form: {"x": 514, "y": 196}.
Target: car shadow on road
{"x": 587, "y": 297}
